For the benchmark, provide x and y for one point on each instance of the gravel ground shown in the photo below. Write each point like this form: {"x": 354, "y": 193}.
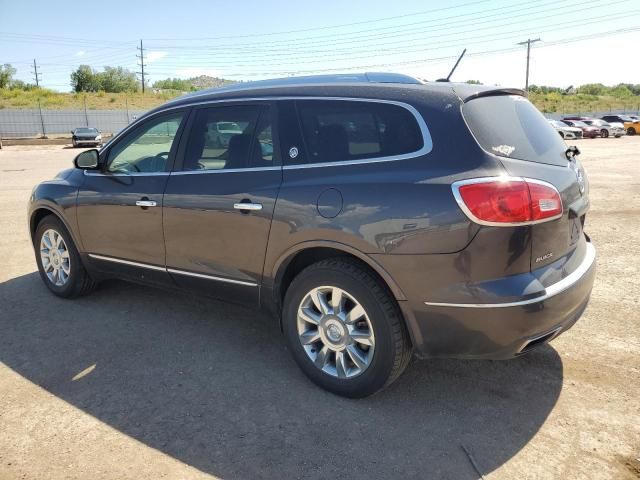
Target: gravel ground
{"x": 137, "y": 383}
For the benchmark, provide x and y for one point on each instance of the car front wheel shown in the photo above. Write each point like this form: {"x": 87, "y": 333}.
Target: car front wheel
{"x": 345, "y": 329}
{"x": 58, "y": 260}
{"x": 604, "y": 133}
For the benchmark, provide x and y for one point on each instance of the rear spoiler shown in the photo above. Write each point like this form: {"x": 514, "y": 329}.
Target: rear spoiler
{"x": 495, "y": 92}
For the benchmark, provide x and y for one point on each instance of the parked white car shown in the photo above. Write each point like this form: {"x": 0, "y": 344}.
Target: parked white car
{"x": 565, "y": 131}
{"x": 607, "y": 129}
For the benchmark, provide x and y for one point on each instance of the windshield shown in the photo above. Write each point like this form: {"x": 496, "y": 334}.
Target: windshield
{"x": 579, "y": 124}
{"x": 558, "y": 123}
{"x": 86, "y": 130}
{"x": 510, "y": 126}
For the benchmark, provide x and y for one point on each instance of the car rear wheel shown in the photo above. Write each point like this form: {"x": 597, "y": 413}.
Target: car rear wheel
{"x": 75, "y": 144}
{"x": 345, "y": 329}
{"x": 58, "y": 260}
{"x": 604, "y": 133}
{"x": 631, "y": 131}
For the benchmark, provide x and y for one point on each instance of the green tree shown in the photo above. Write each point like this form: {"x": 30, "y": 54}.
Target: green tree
{"x": 174, "y": 84}
{"x": 593, "y": 89}
{"x": 6, "y": 75}
{"x": 620, "y": 91}
{"x": 117, "y": 79}
{"x": 84, "y": 79}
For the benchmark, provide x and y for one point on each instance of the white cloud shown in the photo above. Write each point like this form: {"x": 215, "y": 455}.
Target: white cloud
{"x": 80, "y": 53}
{"x": 153, "y": 56}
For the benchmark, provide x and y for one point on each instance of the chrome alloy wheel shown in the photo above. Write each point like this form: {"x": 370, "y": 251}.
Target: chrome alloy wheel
{"x": 54, "y": 255}
{"x": 335, "y": 332}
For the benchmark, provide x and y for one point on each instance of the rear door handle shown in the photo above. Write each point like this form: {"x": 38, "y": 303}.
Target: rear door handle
{"x": 146, "y": 203}
{"x": 246, "y": 206}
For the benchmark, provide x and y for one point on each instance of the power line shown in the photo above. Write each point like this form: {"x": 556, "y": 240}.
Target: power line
{"x": 416, "y": 48}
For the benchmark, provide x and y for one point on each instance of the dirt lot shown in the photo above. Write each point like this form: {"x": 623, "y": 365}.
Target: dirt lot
{"x": 136, "y": 383}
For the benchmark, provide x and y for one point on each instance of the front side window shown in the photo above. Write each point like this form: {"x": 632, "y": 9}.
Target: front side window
{"x": 336, "y": 130}
{"x": 145, "y": 150}
{"x": 229, "y": 138}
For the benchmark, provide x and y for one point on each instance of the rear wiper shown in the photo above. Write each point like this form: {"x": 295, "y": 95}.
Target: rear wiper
{"x": 571, "y": 152}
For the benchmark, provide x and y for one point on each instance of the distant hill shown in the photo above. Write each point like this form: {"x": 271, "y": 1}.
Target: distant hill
{"x": 205, "y": 81}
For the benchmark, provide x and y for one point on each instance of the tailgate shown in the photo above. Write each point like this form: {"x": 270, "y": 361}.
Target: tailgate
{"x": 511, "y": 128}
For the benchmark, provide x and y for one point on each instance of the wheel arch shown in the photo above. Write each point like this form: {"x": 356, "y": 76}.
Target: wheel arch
{"x": 300, "y": 256}
{"x": 42, "y": 211}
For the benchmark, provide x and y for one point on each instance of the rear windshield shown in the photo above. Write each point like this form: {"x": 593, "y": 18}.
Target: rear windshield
{"x": 510, "y": 126}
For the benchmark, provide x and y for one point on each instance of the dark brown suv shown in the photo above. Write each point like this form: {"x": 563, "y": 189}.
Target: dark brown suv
{"x": 376, "y": 215}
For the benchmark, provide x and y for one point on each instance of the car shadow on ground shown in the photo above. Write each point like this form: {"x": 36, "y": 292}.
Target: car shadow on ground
{"x": 213, "y": 385}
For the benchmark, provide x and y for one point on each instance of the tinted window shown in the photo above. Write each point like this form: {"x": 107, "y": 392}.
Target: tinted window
{"x": 510, "y": 126}
{"x": 147, "y": 148}
{"x": 230, "y": 138}
{"x": 345, "y": 130}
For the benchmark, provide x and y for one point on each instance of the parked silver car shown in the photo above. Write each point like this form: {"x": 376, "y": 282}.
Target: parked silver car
{"x": 565, "y": 131}
{"x": 607, "y": 129}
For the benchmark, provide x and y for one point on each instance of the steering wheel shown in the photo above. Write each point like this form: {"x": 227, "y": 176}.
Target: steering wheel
{"x": 163, "y": 155}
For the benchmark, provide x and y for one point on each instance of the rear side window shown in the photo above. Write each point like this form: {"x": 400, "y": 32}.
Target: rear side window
{"x": 510, "y": 126}
{"x": 336, "y": 130}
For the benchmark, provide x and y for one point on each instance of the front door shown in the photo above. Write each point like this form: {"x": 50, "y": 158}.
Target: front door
{"x": 120, "y": 206}
{"x": 219, "y": 201}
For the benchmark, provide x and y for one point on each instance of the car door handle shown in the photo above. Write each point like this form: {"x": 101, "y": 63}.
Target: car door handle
{"x": 246, "y": 206}
{"x": 146, "y": 203}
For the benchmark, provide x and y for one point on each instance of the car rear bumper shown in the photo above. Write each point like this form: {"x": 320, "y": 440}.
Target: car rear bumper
{"x": 503, "y": 326}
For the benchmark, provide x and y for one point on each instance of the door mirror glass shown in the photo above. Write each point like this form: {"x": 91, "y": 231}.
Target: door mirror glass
{"x": 87, "y": 160}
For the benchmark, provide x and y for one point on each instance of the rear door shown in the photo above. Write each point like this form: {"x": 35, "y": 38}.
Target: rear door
{"x": 219, "y": 200}
{"x": 510, "y": 127}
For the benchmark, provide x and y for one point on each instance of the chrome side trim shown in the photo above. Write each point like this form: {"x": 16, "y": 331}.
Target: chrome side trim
{"x": 549, "y": 292}
{"x": 211, "y": 277}
{"x": 126, "y": 262}
{"x": 170, "y": 270}
{"x": 455, "y": 188}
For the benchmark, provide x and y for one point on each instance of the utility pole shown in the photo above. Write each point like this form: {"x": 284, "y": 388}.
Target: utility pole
{"x": 36, "y": 73}
{"x": 528, "y": 44}
{"x": 141, "y": 57}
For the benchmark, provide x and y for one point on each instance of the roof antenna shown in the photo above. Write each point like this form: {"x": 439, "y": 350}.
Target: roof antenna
{"x": 454, "y": 68}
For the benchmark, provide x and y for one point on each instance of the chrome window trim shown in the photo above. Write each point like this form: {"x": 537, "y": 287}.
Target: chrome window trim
{"x": 427, "y": 141}
{"x": 455, "y": 188}
{"x": 91, "y": 173}
{"x": 228, "y": 170}
{"x": 549, "y": 292}
{"x": 170, "y": 270}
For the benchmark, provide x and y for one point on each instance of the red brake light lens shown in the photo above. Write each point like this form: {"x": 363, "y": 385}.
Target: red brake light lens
{"x": 508, "y": 201}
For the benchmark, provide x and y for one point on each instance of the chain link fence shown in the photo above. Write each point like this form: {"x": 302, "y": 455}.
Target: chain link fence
{"x": 39, "y": 122}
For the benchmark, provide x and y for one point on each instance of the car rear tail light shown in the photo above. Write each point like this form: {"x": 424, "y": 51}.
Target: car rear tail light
{"x": 504, "y": 201}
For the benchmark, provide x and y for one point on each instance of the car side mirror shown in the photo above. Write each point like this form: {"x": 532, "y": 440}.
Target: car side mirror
{"x": 87, "y": 160}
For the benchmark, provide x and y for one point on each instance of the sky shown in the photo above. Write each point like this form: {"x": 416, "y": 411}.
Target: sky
{"x": 582, "y": 41}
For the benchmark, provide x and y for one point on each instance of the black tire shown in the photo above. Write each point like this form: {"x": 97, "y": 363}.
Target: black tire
{"x": 631, "y": 131}
{"x": 604, "y": 133}
{"x": 392, "y": 345}
{"x": 75, "y": 144}
{"x": 79, "y": 282}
